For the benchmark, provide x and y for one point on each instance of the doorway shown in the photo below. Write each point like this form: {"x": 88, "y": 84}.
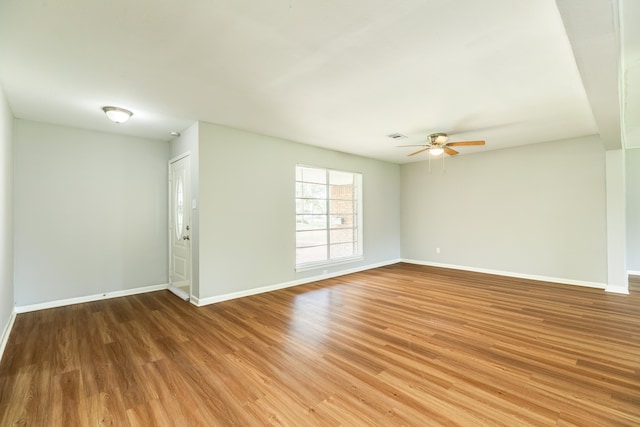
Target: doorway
{"x": 180, "y": 226}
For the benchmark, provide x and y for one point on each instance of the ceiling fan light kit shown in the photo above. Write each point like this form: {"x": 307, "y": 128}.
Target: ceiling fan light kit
{"x": 438, "y": 138}
{"x": 437, "y": 144}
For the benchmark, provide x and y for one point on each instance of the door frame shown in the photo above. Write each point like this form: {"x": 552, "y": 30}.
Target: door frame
{"x": 188, "y": 204}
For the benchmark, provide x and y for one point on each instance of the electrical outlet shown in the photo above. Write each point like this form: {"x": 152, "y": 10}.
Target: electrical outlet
{"x": 437, "y": 250}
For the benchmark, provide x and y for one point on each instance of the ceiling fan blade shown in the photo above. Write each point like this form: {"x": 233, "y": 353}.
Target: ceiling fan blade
{"x": 417, "y": 152}
{"x": 453, "y": 144}
{"x": 450, "y": 151}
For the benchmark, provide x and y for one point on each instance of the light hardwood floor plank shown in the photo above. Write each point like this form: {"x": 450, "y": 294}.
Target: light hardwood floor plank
{"x": 397, "y": 345}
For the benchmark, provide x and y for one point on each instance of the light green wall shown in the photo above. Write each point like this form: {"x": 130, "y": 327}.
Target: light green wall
{"x": 536, "y": 210}
{"x": 247, "y": 209}
{"x": 6, "y": 217}
{"x": 90, "y": 212}
{"x": 632, "y": 169}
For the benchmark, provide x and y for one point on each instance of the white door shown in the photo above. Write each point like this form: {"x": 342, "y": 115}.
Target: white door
{"x": 180, "y": 227}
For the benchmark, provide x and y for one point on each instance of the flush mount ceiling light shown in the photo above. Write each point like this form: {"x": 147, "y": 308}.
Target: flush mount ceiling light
{"x": 117, "y": 114}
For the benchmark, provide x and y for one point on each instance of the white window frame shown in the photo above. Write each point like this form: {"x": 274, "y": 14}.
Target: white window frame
{"x": 358, "y": 228}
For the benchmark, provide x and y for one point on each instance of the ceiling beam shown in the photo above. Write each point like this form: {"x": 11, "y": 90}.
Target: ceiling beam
{"x": 594, "y": 33}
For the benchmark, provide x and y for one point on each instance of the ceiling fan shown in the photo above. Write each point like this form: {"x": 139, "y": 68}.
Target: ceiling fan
{"x": 437, "y": 144}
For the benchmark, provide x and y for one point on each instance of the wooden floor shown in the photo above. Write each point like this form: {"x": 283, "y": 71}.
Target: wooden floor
{"x": 398, "y": 345}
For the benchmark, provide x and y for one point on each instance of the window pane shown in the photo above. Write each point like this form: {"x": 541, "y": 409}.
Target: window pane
{"x": 179, "y": 207}
{"x": 313, "y": 254}
{"x": 326, "y": 215}
{"x": 342, "y": 221}
{"x": 313, "y": 191}
{"x": 342, "y": 236}
{"x": 311, "y": 206}
{"x": 341, "y": 192}
{"x": 311, "y": 238}
{"x": 314, "y": 175}
{"x": 340, "y": 178}
{"x": 342, "y": 250}
{"x": 335, "y": 221}
{"x": 311, "y": 222}
{"x": 341, "y": 207}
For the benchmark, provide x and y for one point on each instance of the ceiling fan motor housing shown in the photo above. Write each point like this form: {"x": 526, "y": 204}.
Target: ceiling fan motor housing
{"x": 438, "y": 138}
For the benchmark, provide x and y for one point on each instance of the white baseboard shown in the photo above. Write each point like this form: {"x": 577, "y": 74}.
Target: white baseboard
{"x": 5, "y": 334}
{"x": 89, "y": 298}
{"x": 270, "y": 288}
{"x": 511, "y": 274}
{"x": 633, "y": 273}
{"x": 617, "y": 290}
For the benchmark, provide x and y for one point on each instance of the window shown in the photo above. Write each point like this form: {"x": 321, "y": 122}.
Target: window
{"x": 328, "y": 216}
{"x": 179, "y": 207}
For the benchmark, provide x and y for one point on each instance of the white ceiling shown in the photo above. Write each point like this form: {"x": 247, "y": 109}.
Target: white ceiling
{"x": 331, "y": 73}
{"x": 631, "y": 72}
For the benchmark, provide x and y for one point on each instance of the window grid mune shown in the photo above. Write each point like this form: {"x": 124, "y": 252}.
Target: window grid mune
{"x": 327, "y": 222}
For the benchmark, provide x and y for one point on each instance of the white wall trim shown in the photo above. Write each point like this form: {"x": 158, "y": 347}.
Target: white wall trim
{"x": 511, "y": 274}
{"x": 89, "y": 298}
{"x": 632, "y": 272}
{"x": 263, "y": 289}
{"x": 5, "y": 334}
{"x": 617, "y": 290}
{"x": 617, "y": 277}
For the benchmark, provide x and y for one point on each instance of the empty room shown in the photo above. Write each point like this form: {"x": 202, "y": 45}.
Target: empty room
{"x": 320, "y": 213}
